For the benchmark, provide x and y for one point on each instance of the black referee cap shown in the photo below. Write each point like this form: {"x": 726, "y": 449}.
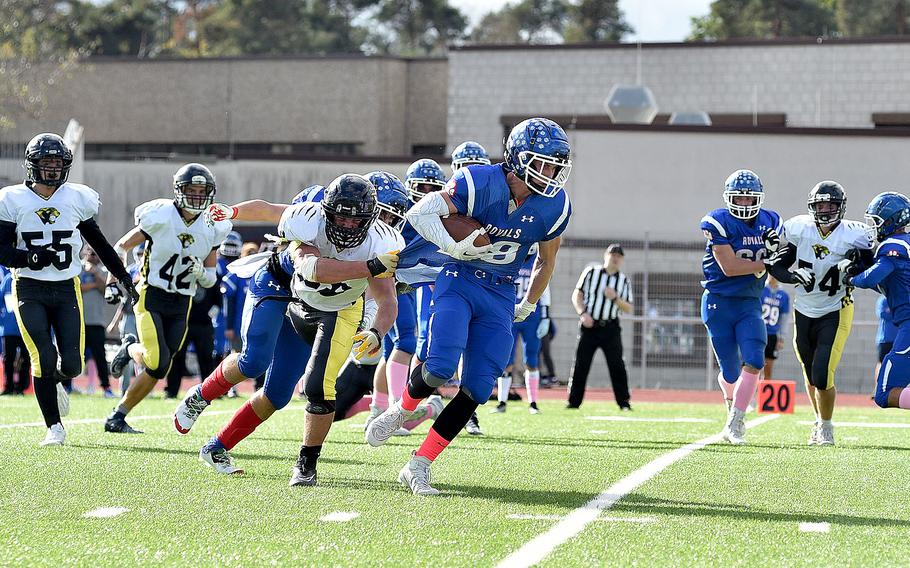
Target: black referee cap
{"x": 615, "y": 248}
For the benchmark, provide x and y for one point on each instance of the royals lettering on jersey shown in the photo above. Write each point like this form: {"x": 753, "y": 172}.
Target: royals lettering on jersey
{"x": 890, "y": 275}
{"x": 722, "y": 228}
{"x": 482, "y": 192}
{"x": 821, "y": 255}
{"x": 774, "y": 304}
{"x": 173, "y": 243}
{"x": 305, "y": 223}
{"x": 52, "y": 222}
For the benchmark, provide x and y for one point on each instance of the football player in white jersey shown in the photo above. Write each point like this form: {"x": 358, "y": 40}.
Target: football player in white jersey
{"x": 180, "y": 254}
{"x": 42, "y": 224}
{"x": 339, "y": 249}
{"x": 823, "y": 244}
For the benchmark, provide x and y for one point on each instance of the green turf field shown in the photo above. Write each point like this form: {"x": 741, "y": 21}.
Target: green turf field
{"x": 718, "y": 506}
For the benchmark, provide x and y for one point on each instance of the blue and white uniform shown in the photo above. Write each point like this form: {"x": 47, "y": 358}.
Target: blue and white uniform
{"x": 731, "y": 305}
{"x": 474, "y": 301}
{"x": 527, "y": 329}
{"x": 890, "y": 275}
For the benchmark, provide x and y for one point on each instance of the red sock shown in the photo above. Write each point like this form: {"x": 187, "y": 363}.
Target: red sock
{"x": 242, "y": 424}
{"x": 361, "y": 405}
{"x": 215, "y": 385}
{"x": 432, "y": 446}
{"x": 408, "y": 403}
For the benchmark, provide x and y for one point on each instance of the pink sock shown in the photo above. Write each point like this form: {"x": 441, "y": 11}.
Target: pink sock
{"x": 397, "y": 374}
{"x": 241, "y": 425}
{"x": 726, "y": 387}
{"x": 361, "y": 405}
{"x": 432, "y": 446}
{"x": 411, "y": 424}
{"x": 215, "y": 385}
{"x": 532, "y": 381}
{"x": 380, "y": 400}
{"x": 745, "y": 390}
{"x": 904, "y": 401}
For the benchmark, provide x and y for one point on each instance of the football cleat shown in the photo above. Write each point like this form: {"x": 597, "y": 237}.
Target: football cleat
{"x": 473, "y": 426}
{"x": 122, "y": 358}
{"x": 825, "y": 434}
{"x": 119, "y": 426}
{"x": 532, "y": 408}
{"x": 189, "y": 409}
{"x": 220, "y": 461}
{"x": 735, "y": 430}
{"x": 63, "y": 400}
{"x": 374, "y": 412}
{"x": 499, "y": 408}
{"x": 415, "y": 475}
{"x": 435, "y": 402}
{"x": 302, "y": 477}
{"x": 386, "y": 424}
{"x": 55, "y": 436}
{"x": 813, "y": 436}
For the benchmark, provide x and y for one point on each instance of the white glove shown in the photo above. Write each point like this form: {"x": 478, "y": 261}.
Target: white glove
{"x": 543, "y": 328}
{"x": 804, "y": 277}
{"x": 465, "y": 249}
{"x": 524, "y": 309}
{"x": 367, "y": 343}
{"x": 198, "y": 267}
{"x": 219, "y": 212}
{"x": 205, "y": 276}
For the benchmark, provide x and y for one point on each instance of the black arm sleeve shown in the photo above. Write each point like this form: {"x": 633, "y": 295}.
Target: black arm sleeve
{"x": 781, "y": 268}
{"x": 866, "y": 258}
{"x": 92, "y": 234}
{"x": 11, "y": 256}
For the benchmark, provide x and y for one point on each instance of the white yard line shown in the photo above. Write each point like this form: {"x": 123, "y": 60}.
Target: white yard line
{"x": 863, "y": 424}
{"x": 524, "y": 517}
{"x": 638, "y": 419}
{"x": 105, "y": 512}
{"x": 572, "y": 524}
{"x": 132, "y": 418}
{"x": 815, "y": 527}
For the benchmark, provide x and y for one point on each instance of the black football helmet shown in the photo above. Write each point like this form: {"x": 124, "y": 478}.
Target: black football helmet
{"x": 194, "y": 174}
{"x": 42, "y": 146}
{"x": 350, "y": 208}
{"x": 827, "y": 192}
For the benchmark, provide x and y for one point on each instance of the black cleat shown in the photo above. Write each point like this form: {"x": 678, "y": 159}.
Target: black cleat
{"x": 122, "y": 358}
{"x": 473, "y": 426}
{"x": 301, "y": 477}
{"x": 119, "y": 426}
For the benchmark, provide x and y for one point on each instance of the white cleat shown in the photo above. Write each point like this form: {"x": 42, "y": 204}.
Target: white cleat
{"x": 813, "y": 437}
{"x": 222, "y": 462}
{"x": 401, "y": 432}
{"x": 386, "y": 424}
{"x": 533, "y": 408}
{"x": 374, "y": 412}
{"x": 189, "y": 409}
{"x": 825, "y": 434}
{"x": 415, "y": 475}
{"x": 55, "y": 436}
{"x": 435, "y": 402}
{"x": 735, "y": 430}
{"x": 63, "y": 400}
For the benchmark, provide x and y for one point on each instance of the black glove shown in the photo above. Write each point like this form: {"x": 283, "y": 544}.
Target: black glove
{"x": 804, "y": 277}
{"x": 39, "y": 258}
{"x": 112, "y": 294}
{"x": 132, "y": 296}
{"x": 771, "y": 240}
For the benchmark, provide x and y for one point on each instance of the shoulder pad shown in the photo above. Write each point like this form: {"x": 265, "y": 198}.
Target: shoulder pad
{"x": 893, "y": 248}
{"x": 301, "y": 222}
{"x": 89, "y": 200}
{"x": 149, "y": 213}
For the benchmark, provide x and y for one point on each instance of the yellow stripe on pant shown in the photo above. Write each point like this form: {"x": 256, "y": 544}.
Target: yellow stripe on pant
{"x": 844, "y": 324}
{"x": 346, "y": 324}
{"x": 77, "y": 284}
{"x": 148, "y": 332}
{"x": 30, "y": 345}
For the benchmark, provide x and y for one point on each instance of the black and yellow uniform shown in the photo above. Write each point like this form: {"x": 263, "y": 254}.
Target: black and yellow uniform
{"x": 819, "y": 344}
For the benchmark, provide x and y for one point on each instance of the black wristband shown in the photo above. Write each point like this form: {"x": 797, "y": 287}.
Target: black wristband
{"x": 375, "y": 267}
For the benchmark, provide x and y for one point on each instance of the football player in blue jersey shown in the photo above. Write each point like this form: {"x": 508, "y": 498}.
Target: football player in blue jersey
{"x": 888, "y": 215}
{"x": 775, "y": 306}
{"x": 518, "y": 203}
{"x": 422, "y": 177}
{"x": 531, "y": 330}
{"x": 731, "y": 309}
{"x": 469, "y": 153}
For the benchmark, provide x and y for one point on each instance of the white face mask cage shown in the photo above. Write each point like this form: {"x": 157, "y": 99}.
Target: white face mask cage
{"x": 539, "y": 183}
{"x": 744, "y": 212}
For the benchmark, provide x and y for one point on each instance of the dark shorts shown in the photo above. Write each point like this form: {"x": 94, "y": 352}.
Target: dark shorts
{"x": 884, "y": 349}
{"x": 771, "y": 348}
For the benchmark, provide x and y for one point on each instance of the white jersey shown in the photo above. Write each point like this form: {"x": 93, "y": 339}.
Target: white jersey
{"x": 305, "y": 223}
{"x": 51, "y": 222}
{"x": 172, "y": 245}
{"x": 821, "y": 255}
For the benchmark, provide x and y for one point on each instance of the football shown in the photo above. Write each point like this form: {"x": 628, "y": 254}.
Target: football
{"x": 460, "y": 226}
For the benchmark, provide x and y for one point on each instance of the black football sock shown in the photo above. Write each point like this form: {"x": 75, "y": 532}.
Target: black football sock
{"x": 46, "y": 393}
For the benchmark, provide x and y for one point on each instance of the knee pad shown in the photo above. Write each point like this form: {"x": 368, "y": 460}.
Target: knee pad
{"x": 322, "y": 408}
{"x": 278, "y": 399}
{"x": 432, "y": 379}
{"x": 69, "y": 369}
{"x": 473, "y": 395}
{"x": 253, "y": 362}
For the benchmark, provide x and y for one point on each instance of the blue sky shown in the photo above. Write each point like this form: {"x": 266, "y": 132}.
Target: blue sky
{"x": 653, "y": 20}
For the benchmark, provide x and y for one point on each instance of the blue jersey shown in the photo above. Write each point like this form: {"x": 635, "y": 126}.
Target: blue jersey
{"x": 233, "y": 290}
{"x": 890, "y": 275}
{"x": 722, "y": 228}
{"x": 887, "y": 331}
{"x": 774, "y": 305}
{"x": 7, "y": 307}
{"x": 312, "y": 194}
{"x": 523, "y": 281}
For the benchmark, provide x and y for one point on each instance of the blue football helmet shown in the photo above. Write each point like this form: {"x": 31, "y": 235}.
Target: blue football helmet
{"x": 888, "y": 213}
{"x": 311, "y": 194}
{"x": 744, "y": 183}
{"x": 530, "y": 146}
{"x": 231, "y": 245}
{"x": 392, "y": 196}
{"x": 424, "y": 172}
{"x": 467, "y": 154}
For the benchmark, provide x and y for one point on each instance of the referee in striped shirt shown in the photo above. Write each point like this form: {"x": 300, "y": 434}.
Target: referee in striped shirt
{"x": 601, "y": 294}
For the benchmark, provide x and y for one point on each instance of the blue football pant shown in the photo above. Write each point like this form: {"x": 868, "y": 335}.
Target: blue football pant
{"x": 737, "y": 332}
